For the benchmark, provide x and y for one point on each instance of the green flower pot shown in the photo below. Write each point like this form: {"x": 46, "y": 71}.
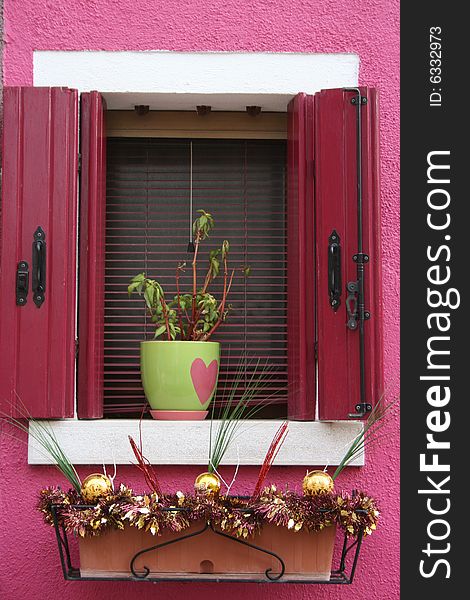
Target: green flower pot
{"x": 179, "y": 378}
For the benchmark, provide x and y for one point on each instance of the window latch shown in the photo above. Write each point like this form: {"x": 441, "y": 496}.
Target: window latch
{"x": 22, "y": 282}
{"x": 352, "y": 306}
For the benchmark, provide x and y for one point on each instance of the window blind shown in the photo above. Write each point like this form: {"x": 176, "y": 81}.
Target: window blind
{"x": 242, "y": 183}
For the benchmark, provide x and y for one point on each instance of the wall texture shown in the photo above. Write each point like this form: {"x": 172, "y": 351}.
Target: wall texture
{"x": 29, "y": 565}
{"x": 1, "y": 72}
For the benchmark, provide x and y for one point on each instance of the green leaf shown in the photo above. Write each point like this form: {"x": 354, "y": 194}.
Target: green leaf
{"x": 160, "y": 330}
{"x": 215, "y": 267}
{"x": 131, "y": 288}
{"x": 149, "y": 295}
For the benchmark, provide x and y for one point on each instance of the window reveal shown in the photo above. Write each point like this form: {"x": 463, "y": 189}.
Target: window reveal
{"x": 242, "y": 183}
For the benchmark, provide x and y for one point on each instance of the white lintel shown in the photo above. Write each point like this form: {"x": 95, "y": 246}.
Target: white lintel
{"x": 168, "y": 80}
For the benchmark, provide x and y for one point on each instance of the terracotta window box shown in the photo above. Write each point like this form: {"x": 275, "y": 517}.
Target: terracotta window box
{"x": 305, "y": 555}
{"x": 201, "y": 552}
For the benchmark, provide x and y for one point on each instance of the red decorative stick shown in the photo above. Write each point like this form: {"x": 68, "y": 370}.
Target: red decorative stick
{"x": 144, "y": 465}
{"x": 271, "y": 454}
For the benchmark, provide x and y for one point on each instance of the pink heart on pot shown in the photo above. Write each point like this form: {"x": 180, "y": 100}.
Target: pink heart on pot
{"x": 204, "y": 378}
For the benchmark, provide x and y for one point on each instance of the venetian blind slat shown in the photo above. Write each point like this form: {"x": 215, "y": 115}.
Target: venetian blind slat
{"x": 242, "y": 183}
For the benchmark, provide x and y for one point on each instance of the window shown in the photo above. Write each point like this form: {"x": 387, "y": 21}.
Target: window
{"x": 39, "y": 190}
{"x": 242, "y": 183}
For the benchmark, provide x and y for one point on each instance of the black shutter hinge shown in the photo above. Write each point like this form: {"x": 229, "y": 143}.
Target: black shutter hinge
{"x": 79, "y": 162}
{"x": 354, "y": 100}
{"x": 76, "y": 348}
{"x": 361, "y": 410}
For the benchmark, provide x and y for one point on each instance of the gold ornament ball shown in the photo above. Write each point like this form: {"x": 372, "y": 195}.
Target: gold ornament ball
{"x": 317, "y": 482}
{"x": 207, "y": 483}
{"x": 95, "y": 486}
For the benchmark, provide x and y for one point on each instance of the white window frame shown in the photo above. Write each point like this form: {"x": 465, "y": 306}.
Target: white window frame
{"x": 180, "y": 81}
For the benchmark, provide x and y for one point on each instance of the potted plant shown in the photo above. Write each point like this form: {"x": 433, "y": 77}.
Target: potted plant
{"x": 180, "y": 366}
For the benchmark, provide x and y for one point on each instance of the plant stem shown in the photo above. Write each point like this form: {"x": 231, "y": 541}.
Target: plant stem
{"x": 222, "y": 303}
{"x": 180, "y": 315}
{"x": 165, "y": 316}
{"x": 207, "y": 280}
{"x": 194, "y": 265}
{"x": 196, "y": 319}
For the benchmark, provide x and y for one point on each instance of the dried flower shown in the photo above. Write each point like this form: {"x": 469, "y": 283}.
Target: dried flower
{"x": 235, "y": 516}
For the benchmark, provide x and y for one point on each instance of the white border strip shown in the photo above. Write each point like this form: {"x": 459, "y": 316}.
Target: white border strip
{"x": 195, "y": 72}
{"x": 186, "y": 442}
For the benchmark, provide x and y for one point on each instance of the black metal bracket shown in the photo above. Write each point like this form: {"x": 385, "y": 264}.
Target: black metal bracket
{"x": 39, "y": 267}
{"x": 360, "y": 257}
{"x": 357, "y": 314}
{"x": 338, "y": 576}
{"x": 22, "y": 283}
{"x": 354, "y": 100}
{"x": 362, "y": 409}
{"x": 334, "y": 270}
{"x": 209, "y": 527}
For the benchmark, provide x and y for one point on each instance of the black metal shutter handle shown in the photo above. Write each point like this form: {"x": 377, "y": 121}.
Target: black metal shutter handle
{"x": 334, "y": 270}
{"x": 39, "y": 267}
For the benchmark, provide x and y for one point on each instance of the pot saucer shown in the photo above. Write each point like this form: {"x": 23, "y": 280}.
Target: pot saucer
{"x": 179, "y": 415}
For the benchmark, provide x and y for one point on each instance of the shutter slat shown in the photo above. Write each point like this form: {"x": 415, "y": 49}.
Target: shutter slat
{"x": 300, "y": 259}
{"x": 336, "y": 206}
{"x": 242, "y": 183}
{"x": 37, "y": 359}
{"x": 92, "y": 242}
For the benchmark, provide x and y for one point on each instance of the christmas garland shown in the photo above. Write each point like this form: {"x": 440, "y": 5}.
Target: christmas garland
{"x": 236, "y": 516}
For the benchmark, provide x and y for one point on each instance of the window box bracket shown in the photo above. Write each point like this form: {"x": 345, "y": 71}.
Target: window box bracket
{"x": 344, "y": 574}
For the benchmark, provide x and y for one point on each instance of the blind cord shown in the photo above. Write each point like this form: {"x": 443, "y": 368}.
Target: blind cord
{"x": 191, "y": 242}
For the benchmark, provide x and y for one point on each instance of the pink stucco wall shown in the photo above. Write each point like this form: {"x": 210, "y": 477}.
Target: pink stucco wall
{"x": 28, "y": 560}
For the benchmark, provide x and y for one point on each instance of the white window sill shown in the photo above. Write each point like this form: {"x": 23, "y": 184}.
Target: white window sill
{"x": 186, "y": 442}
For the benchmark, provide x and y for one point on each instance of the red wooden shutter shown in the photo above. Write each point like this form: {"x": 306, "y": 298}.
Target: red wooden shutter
{"x": 91, "y": 269}
{"x": 300, "y": 259}
{"x": 37, "y": 353}
{"x": 336, "y": 193}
